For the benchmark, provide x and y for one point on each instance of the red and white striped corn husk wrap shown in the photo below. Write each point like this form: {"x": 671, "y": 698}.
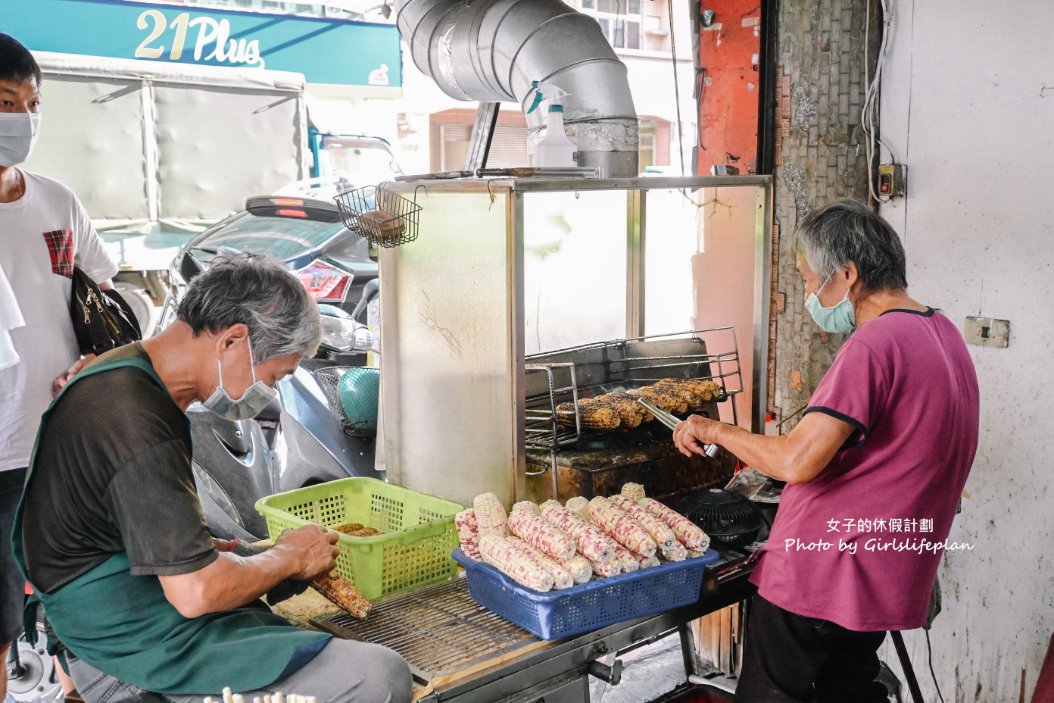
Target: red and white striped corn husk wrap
{"x": 633, "y": 490}
{"x": 686, "y": 531}
{"x": 591, "y": 542}
{"x": 678, "y": 552}
{"x": 537, "y": 532}
{"x": 656, "y": 528}
{"x": 514, "y": 563}
{"x": 627, "y": 560}
{"x": 470, "y": 547}
{"x": 561, "y": 579}
{"x": 490, "y": 515}
{"x": 621, "y": 527}
{"x": 526, "y": 505}
{"x": 579, "y": 506}
{"x": 648, "y": 562}
{"x": 580, "y": 568}
{"x": 613, "y": 568}
{"x": 468, "y": 533}
{"x": 466, "y": 520}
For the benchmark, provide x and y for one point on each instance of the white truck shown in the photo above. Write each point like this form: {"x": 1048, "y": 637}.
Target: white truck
{"x": 158, "y": 151}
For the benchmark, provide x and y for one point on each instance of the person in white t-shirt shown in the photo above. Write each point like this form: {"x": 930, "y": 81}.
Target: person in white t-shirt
{"x": 44, "y": 231}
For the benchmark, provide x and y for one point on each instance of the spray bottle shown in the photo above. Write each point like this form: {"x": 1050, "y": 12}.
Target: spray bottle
{"x": 555, "y": 149}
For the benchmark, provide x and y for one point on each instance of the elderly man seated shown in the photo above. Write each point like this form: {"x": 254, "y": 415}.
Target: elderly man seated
{"x": 111, "y": 535}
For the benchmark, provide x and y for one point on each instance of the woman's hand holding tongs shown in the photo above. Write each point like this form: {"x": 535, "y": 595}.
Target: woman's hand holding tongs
{"x": 695, "y": 434}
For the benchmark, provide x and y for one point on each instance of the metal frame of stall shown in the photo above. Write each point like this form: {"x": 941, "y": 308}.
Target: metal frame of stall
{"x": 453, "y": 315}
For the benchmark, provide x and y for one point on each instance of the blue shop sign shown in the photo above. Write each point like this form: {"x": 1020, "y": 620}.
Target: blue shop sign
{"x": 325, "y": 50}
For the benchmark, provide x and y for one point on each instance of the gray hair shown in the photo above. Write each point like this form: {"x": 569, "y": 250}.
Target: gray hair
{"x": 832, "y": 236}
{"x": 258, "y": 291}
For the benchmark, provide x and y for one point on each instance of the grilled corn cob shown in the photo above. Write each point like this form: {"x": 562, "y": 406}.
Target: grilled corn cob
{"x": 598, "y": 416}
{"x": 633, "y": 490}
{"x": 561, "y": 578}
{"x": 513, "y": 563}
{"x": 537, "y": 532}
{"x": 687, "y": 532}
{"x": 630, "y": 412}
{"x": 593, "y": 544}
{"x": 490, "y": 515}
{"x": 656, "y": 528}
{"x": 338, "y": 591}
{"x": 620, "y": 526}
{"x": 664, "y": 401}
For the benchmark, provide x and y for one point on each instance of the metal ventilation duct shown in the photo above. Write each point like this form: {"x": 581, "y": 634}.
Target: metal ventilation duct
{"x": 491, "y": 50}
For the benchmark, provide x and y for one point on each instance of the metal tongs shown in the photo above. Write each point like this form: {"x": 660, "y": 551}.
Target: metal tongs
{"x": 671, "y": 421}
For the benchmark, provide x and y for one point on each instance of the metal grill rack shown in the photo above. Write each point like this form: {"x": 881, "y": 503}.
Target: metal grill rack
{"x": 572, "y": 374}
{"x": 439, "y": 629}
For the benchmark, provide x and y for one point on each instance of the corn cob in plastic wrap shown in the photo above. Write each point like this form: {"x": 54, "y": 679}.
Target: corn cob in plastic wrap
{"x": 656, "y": 528}
{"x": 687, "y": 532}
{"x": 620, "y": 526}
{"x": 676, "y": 552}
{"x": 633, "y": 490}
{"x": 514, "y": 563}
{"x": 579, "y": 506}
{"x": 526, "y": 505}
{"x": 537, "y": 532}
{"x": 561, "y": 578}
{"x": 580, "y": 568}
{"x": 490, "y": 515}
{"x": 591, "y": 542}
{"x": 468, "y": 533}
{"x": 648, "y": 562}
{"x": 628, "y": 561}
{"x": 613, "y": 568}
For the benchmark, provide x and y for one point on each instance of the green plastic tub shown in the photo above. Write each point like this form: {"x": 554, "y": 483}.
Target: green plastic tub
{"x": 418, "y": 531}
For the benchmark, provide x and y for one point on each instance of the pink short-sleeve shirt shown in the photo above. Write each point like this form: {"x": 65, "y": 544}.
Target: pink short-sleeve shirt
{"x": 859, "y": 544}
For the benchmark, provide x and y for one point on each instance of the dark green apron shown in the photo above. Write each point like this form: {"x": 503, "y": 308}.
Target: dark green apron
{"x": 123, "y": 625}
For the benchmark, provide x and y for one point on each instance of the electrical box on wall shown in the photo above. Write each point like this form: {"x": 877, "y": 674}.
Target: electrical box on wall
{"x": 892, "y": 180}
{"x": 987, "y": 332}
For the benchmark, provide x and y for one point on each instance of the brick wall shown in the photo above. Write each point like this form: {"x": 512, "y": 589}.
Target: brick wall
{"x": 820, "y": 156}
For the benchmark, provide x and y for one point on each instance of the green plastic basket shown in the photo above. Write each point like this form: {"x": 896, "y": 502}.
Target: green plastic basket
{"x": 419, "y": 532}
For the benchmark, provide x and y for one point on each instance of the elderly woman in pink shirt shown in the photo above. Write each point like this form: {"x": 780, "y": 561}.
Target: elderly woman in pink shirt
{"x": 874, "y": 470}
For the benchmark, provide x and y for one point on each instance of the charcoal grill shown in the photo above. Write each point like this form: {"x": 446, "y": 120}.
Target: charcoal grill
{"x": 571, "y": 375}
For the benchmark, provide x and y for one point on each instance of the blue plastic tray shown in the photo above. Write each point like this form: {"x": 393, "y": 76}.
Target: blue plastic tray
{"x": 588, "y": 606}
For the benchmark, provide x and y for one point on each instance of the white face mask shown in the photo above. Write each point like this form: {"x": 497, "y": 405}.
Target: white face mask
{"x": 18, "y": 134}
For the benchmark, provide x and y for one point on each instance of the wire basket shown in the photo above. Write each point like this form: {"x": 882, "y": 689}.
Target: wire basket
{"x": 332, "y": 382}
{"x": 383, "y": 217}
{"x": 417, "y": 531}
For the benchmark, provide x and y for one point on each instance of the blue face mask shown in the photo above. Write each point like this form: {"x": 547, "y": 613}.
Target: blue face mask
{"x": 838, "y": 318}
